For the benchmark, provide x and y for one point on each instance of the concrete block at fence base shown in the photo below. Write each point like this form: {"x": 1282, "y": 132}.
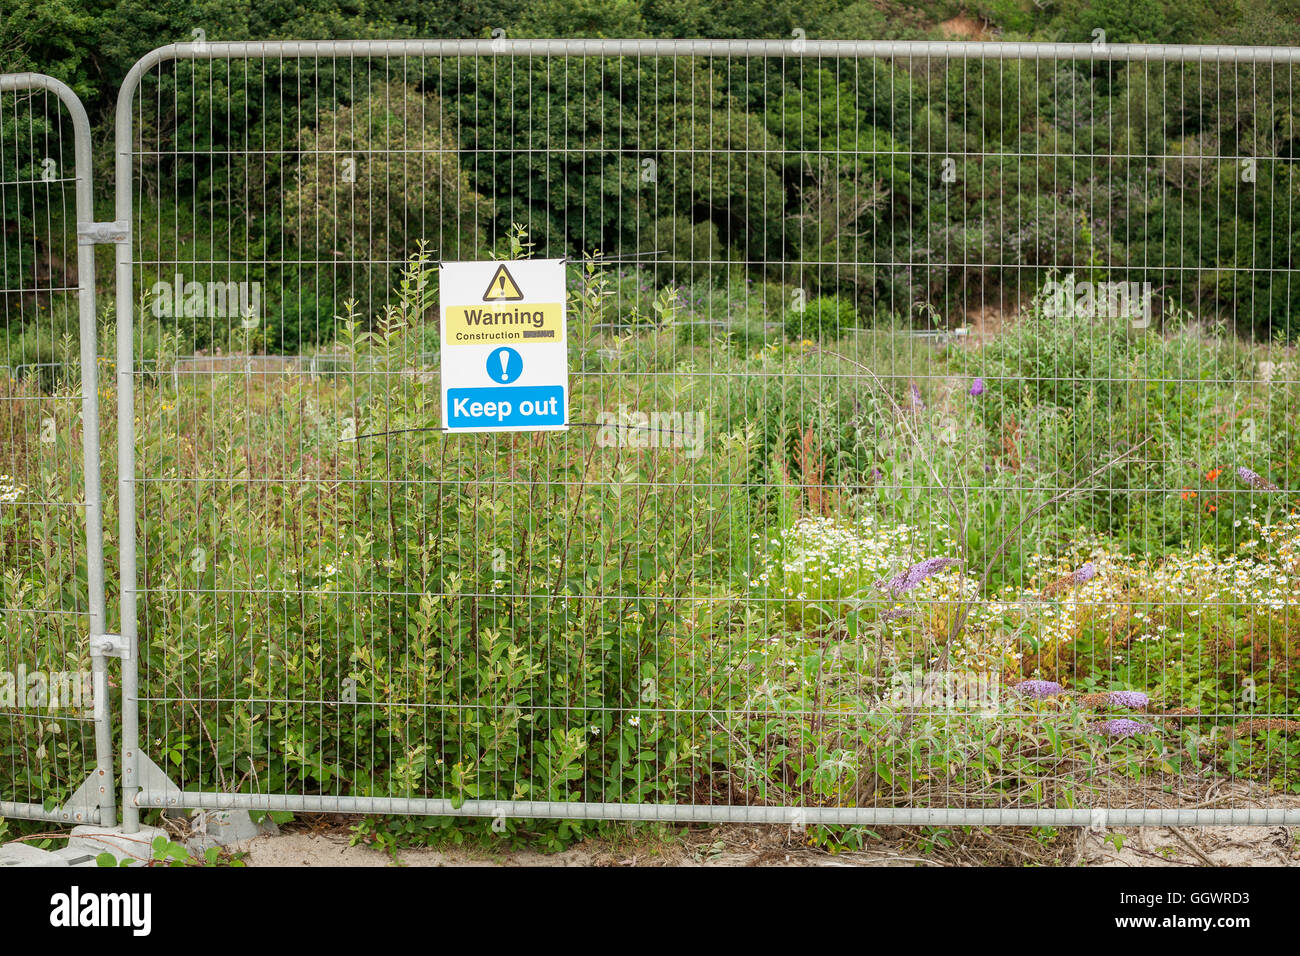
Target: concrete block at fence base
{"x": 75, "y": 857}
{"x": 235, "y": 826}
{"x": 137, "y": 847}
{"x": 220, "y": 828}
{"x": 20, "y": 854}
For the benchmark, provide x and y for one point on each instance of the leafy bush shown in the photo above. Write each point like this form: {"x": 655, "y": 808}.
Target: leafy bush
{"x": 405, "y": 185}
{"x": 825, "y": 318}
{"x": 691, "y": 249}
{"x": 1065, "y": 394}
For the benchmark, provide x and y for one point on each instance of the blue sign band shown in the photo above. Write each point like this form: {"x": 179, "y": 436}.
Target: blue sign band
{"x": 505, "y": 407}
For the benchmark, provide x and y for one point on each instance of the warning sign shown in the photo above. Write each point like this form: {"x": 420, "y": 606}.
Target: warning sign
{"x": 503, "y": 287}
{"x": 504, "y": 355}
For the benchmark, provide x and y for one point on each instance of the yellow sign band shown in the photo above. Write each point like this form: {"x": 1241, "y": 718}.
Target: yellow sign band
{"x": 501, "y": 322}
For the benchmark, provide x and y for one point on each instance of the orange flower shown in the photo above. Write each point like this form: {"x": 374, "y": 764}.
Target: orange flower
{"x": 1188, "y": 494}
{"x": 1213, "y": 473}
{"x": 1211, "y": 508}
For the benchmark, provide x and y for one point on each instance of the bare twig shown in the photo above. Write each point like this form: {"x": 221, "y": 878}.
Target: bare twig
{"x": 1196, "y": 851}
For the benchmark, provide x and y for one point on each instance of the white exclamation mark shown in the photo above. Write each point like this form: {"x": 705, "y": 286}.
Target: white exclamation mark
{"x": 505, "y": 361}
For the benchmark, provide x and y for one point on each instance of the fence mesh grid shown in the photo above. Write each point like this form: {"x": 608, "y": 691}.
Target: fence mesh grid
{"x": 47, "y": 726}
{"x": 888, "y": 377}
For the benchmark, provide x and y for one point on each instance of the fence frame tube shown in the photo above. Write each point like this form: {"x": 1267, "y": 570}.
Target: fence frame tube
{"x": 134, "y": 797}
{"x": 734, "y": 813}
{"x": 102, "y": 781}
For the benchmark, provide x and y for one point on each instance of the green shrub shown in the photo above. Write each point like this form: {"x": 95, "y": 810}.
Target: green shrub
{"x": 1065, "y": 394}
{"x": 396, "y": 135}
{"x": 692, "y": 248}
{"x": 826, "y": 318}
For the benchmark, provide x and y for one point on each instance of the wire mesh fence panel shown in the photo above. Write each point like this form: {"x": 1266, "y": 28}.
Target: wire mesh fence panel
{"x": 930, "y": 451}
{"x": 54, "y": 761}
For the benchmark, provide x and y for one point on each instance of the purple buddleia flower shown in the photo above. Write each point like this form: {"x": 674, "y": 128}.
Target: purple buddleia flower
{"x": 1039, "y": 688}
{"x": 918, "y": 404}
{"x": 1085, "y": 573}
{"x": 1251, "y": 478}
{"x": 1132, "y": 699}
{"x": 1122, "y": 727}
{"x": 904, "y": 581}
{"x": 977, "y": 388}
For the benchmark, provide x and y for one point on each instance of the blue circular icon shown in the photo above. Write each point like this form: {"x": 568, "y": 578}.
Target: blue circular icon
{"x": 505, "y": 365}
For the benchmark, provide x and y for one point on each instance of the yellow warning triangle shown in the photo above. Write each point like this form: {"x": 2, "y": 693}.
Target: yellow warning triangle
{"x": 503, "y": 287}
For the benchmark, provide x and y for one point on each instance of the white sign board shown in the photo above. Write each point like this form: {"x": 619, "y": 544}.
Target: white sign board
{"x": 504, "y": 355}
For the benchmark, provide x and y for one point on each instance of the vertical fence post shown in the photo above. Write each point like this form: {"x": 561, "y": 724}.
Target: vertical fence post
{"x": 123, "y": 183}
{"x": 90, "y": 449}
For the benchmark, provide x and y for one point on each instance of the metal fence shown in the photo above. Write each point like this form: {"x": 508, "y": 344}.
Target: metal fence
{"x": 342, "y": 608}
{"x": 887, "y": 359}
{"x": 55, "y": 741}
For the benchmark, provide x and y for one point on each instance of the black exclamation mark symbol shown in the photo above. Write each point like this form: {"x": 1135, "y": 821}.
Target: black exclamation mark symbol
{"x": 502, "y": 280}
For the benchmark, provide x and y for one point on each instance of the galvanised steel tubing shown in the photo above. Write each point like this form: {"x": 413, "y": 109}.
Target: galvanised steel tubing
{"x": 29, "y": 811}
{"x": 126, "y": 460}
{"x": 103, "y": 773}
{"x": 794, "y": 47}
{"x": 695, "y": 813}
{"x": 293, "y": 49}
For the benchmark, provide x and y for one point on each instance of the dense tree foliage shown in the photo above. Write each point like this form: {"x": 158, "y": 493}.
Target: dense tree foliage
{"x": 882, "y": 182}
